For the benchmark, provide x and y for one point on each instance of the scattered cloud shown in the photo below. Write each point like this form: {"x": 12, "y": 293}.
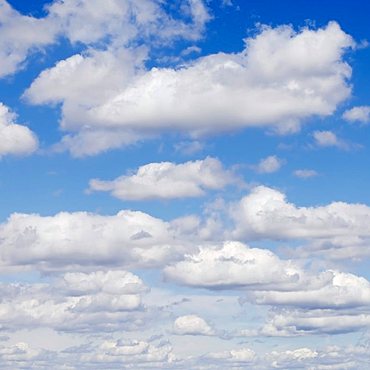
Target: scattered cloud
{"x": 305, "y": 173}
{"x": 358, "y": 114}
{"x": 192, "y": 325}
{"x": 167, "y": 180}
{"x": 15, "y": 139}
{"x": 269, "y": 164}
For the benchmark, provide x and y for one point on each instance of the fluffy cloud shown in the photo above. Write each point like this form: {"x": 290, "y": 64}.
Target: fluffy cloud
{"x": 15, "y": 139}
{"x": 266, "y": 214}
{"x": 20, "y": 35}
{"x": 98, "y": 301}
{"x": 88, "y": 22}
{"x": 168, "y": 180}
{"x": 329, "y": 139}
{"x": 234, "y": 265}
{"x": 358, "y": 114}
{"x": 68, "y": 240}
{"x": 269, "y": 164}
{"x": 192, "y": 325}
{"x": 280, "y": 78}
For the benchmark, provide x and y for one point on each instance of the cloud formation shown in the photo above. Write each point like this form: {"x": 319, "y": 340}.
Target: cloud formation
{"x": 15, "y": 139}
{"x": 281, "y": 78}
{"x": 167, "y": 180}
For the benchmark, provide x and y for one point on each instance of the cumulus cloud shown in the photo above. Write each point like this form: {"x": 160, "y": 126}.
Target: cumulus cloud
{"x": 167, "y": 180}
{"x": 88, "y": 22}
{"x": 266, "y": 214}
{"x": 329, "y": 139}
{"x": 80, "y": 302}
{"x": 234, "y": 265}
{"x": 67, "y": 240}
{"x": 358, "y": 114}
{"x": 15, "y": 139}
{"x": 192, "y": 325}
{"x": 305, "y": 173}
{"x": 19, "y": 36}
{"x": 281, "y": 78}
{"x": 269, "y": 164}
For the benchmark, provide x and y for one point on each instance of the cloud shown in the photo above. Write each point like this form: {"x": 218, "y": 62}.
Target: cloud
{"x": 266, "y": 214}
{"x": 19, "y": 36}
{"x": 76, "y": 302}
{"x": 15, "y": 139}
{"x": 329, "y": 139}
{"x": 192, "y": 325}
{"x": 68, "y": 240}
{"x": 88, "y": 23}
{"x": 305, "y": 174}
{"x": 269, "y": 164}
{"x": 281, "y": 78}
{"x": 358, "y": 114}
{"x": 167, "y": 180}
{"x": 233, "y": 266}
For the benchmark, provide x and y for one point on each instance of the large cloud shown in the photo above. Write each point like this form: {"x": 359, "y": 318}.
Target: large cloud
{"x": 89, "y": 22}
{"x": 67, "y": 240}
{"x": 280, "y": 78}
{"x": 15, "y": 139}
{"x": 168, "y": 180}
{"x": 78, "y": 302}
{"x": 266, "y": 214}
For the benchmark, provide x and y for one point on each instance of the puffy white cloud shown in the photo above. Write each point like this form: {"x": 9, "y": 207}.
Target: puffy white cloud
{"x": 266, "y": 214}
{"x": 269, "y": 164}
{"x": 167, "y": 180}
{"x": 98, "y": 301}
{"x": 358, "y": 114}
{"x": 329, "y": 139}
{"x": 15, "y": 139}
{"x": 305, "y": 174}
{"x": 116, "y": 22}
{"x": 281, "y": 78}
{"x": 192, "y": 325}
{"x": 20, "y": 35}
{"x": 234, "y": 265}
{"x": 69, "y": 240}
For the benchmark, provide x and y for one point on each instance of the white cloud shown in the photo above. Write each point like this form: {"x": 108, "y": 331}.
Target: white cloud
{"x": 19, "y": 36}
{"x": 234, "y": 265}
{"x": 305, "y": 173}
{"x": 77, "y": 302}
{"x": 69, "y": 240}
{"x": 281, "y": 78}
{"x": 329, "y": 139}
{"x": 15, "y": 139}
{"x": 266, "y": 214}
{"x": 88, "y": 22}
{"x": 269, "y": 164}
{"x": 166, "y": 180}
{"x": 358, "y": 114}
{"x": 192, "y": 325}
{"x": 189, "y": 147}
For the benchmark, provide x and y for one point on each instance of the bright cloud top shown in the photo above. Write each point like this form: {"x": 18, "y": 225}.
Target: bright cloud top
{"x": 15, "y": 139}
{"x": 280, "y": 78}
{"x": 168, "y": 180}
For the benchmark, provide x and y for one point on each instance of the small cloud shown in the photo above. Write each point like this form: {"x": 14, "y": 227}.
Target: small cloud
{"x": 358, "y": 114}
{"x": 191, "y": 50}
{"x": 189, "y": 147}
{"x": 329, "y": 139}
{"x": 269, "y": 164}
{"x": 305, "y": 174}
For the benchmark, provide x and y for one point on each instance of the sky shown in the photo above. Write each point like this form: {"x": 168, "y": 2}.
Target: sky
{"x": 183, "y": 184}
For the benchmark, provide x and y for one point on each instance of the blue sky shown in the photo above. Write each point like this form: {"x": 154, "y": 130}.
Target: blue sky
{"x": 184, "y": 184}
